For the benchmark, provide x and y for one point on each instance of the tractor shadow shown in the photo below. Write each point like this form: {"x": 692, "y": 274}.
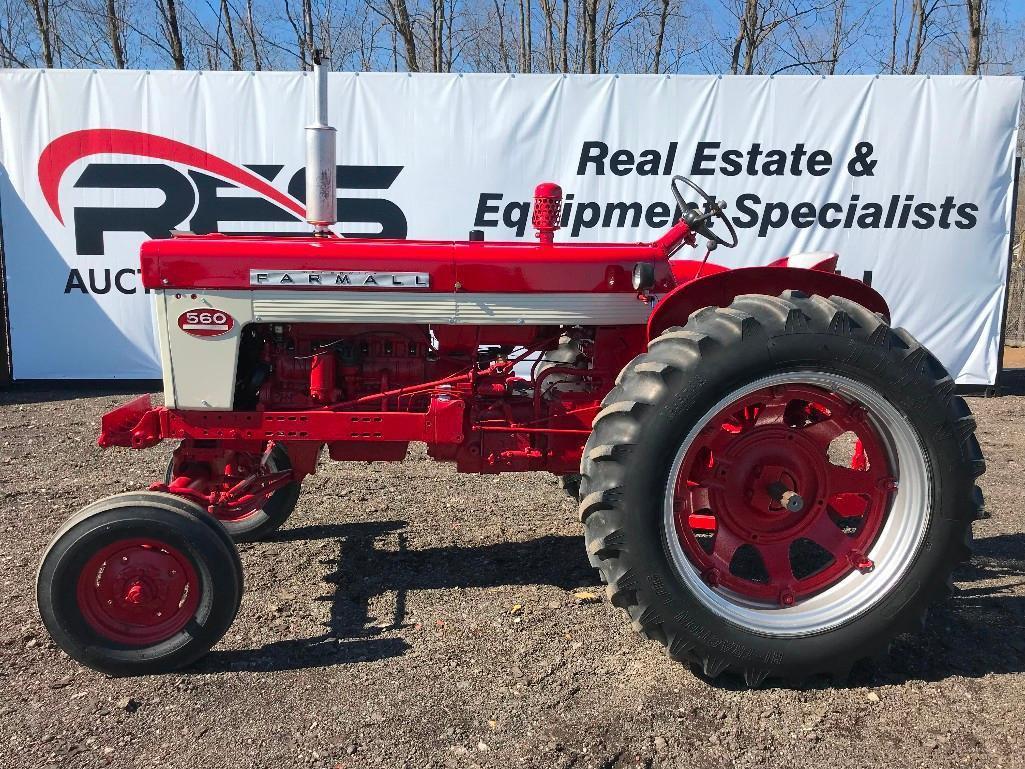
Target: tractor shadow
{"x": 977, "y": 631}
{"x": 363, "y": 569}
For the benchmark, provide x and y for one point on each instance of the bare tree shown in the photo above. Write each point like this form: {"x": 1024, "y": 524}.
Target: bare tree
{"x": 839, "y": 36}
{"x": 663, "y": 16}
{"x": 913, "y": 31}
{"x": 548, "y": 9}
{"x": 172, "y": 31}
{"x": 768, "y": 35}
{"x": 307, "y": 45}
{"x": 526, "y": 33}
{"x": 589, "y": 60}
{"x": 975, "y": 13}
{"x": 302, "y": 28}
{"x": 589, "y": 36}
{"x": 438, "y": 39}
{"x": 234, "y": 53}
{"x": 503, "y": 49}
{"x": 41, "y": 13}
{"x": 400, "y": 20}
{"x": 564, "y": 36}
{"x": 253, "y": 36}
{"x": 116, "y": 34}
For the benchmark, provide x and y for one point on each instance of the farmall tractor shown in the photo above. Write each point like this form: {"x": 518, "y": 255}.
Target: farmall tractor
{"x": 772, "y": 480}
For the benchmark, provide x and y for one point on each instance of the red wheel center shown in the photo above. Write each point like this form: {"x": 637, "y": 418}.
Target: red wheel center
{"x": 765, "y": 509}
{"x": 138, "y": 592}
{"x": 764, "y": 470}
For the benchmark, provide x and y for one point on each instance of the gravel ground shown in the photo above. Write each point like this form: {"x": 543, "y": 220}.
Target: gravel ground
{"x": 411, "y": 617}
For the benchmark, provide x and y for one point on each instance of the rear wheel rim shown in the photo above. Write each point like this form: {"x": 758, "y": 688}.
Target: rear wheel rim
{"x": 138, "y": 592}
{"x": 774, "y": 536}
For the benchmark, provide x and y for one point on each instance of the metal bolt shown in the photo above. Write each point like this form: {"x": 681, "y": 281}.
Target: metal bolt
{"x": 861, "y": 562}
{"x": 786, "y": 597}
{"x": 788, "y": 499}
{"x": 712, "y": 577}
{"x": 124, "y": 558}
{"x": 172, "y": 572}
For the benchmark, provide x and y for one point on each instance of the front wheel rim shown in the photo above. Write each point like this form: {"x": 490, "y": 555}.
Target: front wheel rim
{"x": 753, "y": 484}
{"x": 138, "y": 592}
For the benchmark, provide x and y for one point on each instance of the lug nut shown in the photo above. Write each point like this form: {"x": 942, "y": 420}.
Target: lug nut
{"x": 861, "y": 562}
{"x": 712, "y": 577}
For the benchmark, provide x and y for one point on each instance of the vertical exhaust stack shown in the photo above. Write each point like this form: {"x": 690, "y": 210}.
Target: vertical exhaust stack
{"x": 321, "y": 184}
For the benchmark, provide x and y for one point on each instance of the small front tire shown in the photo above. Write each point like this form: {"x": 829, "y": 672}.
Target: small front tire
{"x": 138, "y": 584}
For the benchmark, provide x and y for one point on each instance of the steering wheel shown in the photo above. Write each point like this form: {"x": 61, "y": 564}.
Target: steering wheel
{"x": 699, "y": 222}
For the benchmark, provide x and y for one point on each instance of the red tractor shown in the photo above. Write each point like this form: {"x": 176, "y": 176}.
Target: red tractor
{"x": 772, "y": 480}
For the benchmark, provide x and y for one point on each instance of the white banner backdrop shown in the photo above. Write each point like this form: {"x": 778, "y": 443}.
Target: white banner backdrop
{"x": 908, "y": 177}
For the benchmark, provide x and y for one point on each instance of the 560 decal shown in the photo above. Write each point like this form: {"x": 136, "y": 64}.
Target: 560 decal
{"x": 206, "y": 322}
{"x": 198, "y": 198}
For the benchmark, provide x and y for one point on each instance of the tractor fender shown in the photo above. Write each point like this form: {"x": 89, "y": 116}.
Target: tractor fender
{"x": 720, "y": 289}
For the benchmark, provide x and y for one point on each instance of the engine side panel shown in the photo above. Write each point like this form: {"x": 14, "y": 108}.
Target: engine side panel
{"x": 199, "y": 371}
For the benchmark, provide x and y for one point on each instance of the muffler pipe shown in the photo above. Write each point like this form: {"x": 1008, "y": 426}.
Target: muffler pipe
{"x": 321, "y": 182}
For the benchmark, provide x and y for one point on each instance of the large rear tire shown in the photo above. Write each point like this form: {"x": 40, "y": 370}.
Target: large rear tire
{"x": 720, "y": 517}
{"x": 139, "y": 583}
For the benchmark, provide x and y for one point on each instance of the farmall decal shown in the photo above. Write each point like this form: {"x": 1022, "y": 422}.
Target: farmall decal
{"x": 338, "y": 279}
{"x": 199, "y": 193}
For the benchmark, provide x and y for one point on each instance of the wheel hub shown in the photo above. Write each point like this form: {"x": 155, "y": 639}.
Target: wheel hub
{"x": 138, "y": 591}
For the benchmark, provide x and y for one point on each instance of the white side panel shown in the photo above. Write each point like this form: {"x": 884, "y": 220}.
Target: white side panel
{"x": 201, "y": 370}
{"x": 163, "y": 344}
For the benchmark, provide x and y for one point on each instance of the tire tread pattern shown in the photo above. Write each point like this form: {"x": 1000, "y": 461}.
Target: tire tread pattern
{"x": 676, "y": 356}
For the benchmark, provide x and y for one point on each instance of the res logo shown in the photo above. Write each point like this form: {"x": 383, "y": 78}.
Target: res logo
{"x": 197, "y": 190}
{"x": 206, "y": 322}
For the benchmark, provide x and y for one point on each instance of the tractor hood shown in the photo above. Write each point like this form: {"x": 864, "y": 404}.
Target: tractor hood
{"x": 329, "y": 263}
